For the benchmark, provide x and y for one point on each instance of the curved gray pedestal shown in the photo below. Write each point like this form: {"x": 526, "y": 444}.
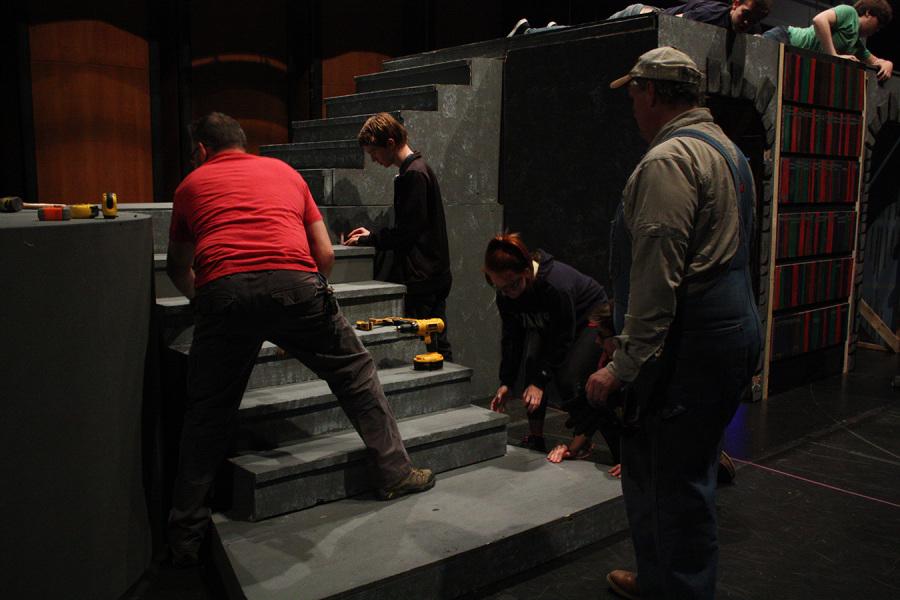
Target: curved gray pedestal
{"x": 76, "y": 301}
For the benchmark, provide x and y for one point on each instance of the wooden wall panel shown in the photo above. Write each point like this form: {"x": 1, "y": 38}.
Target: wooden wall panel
{"x": 82, "y": 41}
{"x": 356, "y": 37}
{"x": 338, "y": 71}
{"x": 91, "y": 102}
{"x": 240, "y": 70}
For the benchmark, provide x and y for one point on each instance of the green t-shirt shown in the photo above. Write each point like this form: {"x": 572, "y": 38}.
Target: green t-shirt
{"x": 844, "y": 34}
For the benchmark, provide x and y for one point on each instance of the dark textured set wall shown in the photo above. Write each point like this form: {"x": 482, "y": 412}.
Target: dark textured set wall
{"x": 74, "y": 330}
{"x": 569, "y": 144}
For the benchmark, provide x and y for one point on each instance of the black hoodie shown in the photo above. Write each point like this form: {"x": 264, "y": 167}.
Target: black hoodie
{"x": 419, "y": 235}
{"x": 558, "y": 304}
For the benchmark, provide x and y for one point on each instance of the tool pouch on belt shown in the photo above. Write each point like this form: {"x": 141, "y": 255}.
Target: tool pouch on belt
{"x": 637, "y": 398}
{"x": 647, "y": 392}
{"x": 329, "y": 300}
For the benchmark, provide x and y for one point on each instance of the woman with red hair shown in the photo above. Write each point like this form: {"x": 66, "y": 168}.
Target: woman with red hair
{"x": 554, "y": 322}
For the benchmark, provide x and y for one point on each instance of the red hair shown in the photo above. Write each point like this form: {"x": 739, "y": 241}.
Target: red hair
{"x": 506, "y": 252}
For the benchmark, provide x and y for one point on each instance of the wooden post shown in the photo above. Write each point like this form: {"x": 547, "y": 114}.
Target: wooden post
{"x": 880, "y": 327}
{"x": 773, "y": 247}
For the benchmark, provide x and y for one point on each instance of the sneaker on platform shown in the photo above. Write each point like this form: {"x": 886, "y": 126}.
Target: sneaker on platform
{"x": 520, "y": 27}
{"x": 418, "y": 480}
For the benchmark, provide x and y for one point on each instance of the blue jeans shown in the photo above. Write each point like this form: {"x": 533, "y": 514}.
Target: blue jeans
{"x": 632, "y": 10}
{"x": 779, "y": 34}
{"x": 669, "y": 462}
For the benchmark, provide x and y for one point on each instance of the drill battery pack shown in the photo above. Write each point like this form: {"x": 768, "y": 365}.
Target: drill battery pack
{"x": 430, "y": 361}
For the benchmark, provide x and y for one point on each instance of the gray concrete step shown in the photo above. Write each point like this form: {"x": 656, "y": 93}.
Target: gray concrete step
{"x": 351, "y": 263}
{"x": 278, "y": 415}
{"x": 479, "y": 524}
{"x": 358, "y": 300}
{"x": 422, "y": 97}
{"x": 331, "y": 154}
{"x": 498, "y": 48}
{"x": 452, "y": 72}
{"x": 333, "y": 466}
{"x": 388, "y": 347}
{"x": 337, "y": 128}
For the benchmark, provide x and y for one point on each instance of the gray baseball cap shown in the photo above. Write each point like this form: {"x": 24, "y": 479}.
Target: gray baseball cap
{"x": 664, "y": 63}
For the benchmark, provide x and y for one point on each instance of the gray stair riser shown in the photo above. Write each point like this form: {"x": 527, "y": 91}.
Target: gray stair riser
{"x": 319, "y": 182}
{"x": 177, "y": 319}
{"x": 164, "y": 286}
{"x": 293, "y": 425}
{"x": 352, "y": 478}
{"x": 322, "y": 130}
{"x": 361, "y": 309}
{"x": 457, "y": 73}
{"x": 327, "y": 132}
{"x": 518, "y": 554}
{"x": 287, "y": 370}
{"x": 348, "y": 270}
{"x": 343, "y": 219}
{"x": 345, "y": 270}
{"x": 417, "y": 98}
{"x": 319, "y": 155}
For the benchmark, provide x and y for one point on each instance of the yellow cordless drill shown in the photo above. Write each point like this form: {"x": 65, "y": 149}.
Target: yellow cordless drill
{"x": 424, "y": 328}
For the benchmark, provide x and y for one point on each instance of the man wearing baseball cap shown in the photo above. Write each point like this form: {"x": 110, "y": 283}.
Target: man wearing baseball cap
{"x": 690, "y": 333}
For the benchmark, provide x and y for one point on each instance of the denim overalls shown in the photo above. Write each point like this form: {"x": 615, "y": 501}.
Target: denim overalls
{"x": 670, "y": 459}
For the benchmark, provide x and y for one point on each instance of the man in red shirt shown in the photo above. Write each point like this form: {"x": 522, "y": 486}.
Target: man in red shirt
{"x": 248, "y": 246}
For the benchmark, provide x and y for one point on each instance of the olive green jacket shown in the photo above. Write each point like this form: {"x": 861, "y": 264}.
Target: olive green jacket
{"x": 681, "y": 210}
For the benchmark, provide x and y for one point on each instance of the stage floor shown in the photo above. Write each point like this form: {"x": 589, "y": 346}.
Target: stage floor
{"x": 813, "y": 510}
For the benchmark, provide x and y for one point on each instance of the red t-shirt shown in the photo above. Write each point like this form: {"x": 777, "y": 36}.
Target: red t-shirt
{"x": 244, "y": 213}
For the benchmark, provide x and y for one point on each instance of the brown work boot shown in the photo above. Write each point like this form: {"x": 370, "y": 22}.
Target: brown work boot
{"x": 726, "y": 472}
{"x": 624, "y": 583}
{"x": 418, "y": 480}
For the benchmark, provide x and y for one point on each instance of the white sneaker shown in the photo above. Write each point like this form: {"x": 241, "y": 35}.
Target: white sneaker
{"x": 523, "y": 22}
{"x": 550, "y": 24}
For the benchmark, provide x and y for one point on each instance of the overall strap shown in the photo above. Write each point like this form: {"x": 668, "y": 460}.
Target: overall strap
{"x": 743, "y": 186}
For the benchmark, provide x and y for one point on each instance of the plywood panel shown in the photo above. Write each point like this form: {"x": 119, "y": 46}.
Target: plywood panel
{"x": 91, "y": 101}
{"x": 239, "y": 70}
{"x": 82, "y": 41}
{"x": 338, "y": 71}
{"x": 357, "y": 46}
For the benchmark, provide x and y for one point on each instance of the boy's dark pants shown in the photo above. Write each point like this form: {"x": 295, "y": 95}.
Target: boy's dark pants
{"x": 432, "y": 305}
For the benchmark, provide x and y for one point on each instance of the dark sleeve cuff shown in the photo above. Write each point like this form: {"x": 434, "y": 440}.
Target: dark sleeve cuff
{"x": 540, "y": 379}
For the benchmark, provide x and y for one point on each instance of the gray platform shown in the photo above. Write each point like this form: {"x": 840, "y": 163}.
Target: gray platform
{"x": 333, "y": 466}
{"x": 479, "y": 524}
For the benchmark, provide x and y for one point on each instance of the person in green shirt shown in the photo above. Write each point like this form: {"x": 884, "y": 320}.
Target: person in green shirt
{"x": 841, "y": 31}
